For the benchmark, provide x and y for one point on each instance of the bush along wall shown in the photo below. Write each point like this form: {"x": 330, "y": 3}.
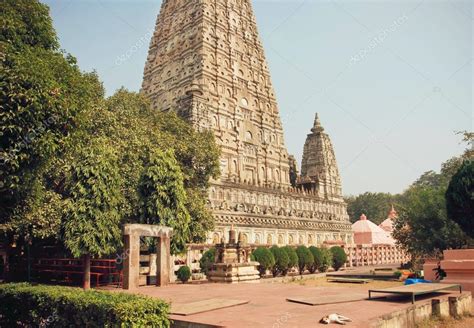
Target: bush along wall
{"x": 53, "y": 306}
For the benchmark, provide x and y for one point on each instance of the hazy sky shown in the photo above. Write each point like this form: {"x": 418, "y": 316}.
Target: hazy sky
{"x": 392, "y": 80}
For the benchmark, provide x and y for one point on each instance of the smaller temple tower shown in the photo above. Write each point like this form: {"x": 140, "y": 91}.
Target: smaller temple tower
{"x": 319, "y": 171}
{"x": 387, "y": 224}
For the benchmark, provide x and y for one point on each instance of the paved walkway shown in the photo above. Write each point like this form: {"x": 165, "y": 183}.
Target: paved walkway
{"x": 268, "y": 306}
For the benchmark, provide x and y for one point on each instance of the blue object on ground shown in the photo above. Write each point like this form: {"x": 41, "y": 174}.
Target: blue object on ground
{"x": 413, "y": 281}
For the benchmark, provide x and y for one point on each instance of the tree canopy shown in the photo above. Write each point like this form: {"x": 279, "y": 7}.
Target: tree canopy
{"x": 53, "y": 114}
{"x": 43, "y": 95}
{"x": 163, "y": 199}
{"x": 460, "y": 198}
{"x": 91, "y": 218}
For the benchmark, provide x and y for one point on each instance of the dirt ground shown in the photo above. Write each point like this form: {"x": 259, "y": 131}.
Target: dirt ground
{"x": 322, "y": 282}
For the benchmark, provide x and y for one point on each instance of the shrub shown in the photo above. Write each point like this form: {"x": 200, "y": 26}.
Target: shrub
{"x": 184, "y": 273}
{"x": 326, "y": 260}
{"x": 305, "y": 258}
{"x": 339, "y": 257}
{"x": 293, "y": 258}
{"x": 207, "y": 260}
{"x": 318, "y": 258}
{"x": 27, "y": 306}
{"x": 263, "y": 256}
{"x": 281, "y": 260}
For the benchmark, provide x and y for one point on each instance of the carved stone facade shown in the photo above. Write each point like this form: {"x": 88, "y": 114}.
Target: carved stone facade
{"x": 207, "y": 63}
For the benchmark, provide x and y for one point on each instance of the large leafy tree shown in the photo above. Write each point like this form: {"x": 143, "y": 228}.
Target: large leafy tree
{"x": 91, "y": 220}
{"x": 42, "y": 97}
{"x": 164, "y": 199}
{"x": 423, "y": 228}
{"x": 460, "y": 198}
{"x": 50, "y": 110}
{"x": 136, "y": 131}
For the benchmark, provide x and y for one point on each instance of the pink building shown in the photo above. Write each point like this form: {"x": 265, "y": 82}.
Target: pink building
{"x": 367, "y": 232}
{"x": 374, "y": 244}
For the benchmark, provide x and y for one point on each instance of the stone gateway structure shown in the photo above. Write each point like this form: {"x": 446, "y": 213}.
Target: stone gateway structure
{"x": 207, "y": 63}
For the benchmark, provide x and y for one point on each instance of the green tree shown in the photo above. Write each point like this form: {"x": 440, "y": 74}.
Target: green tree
{"x": 136, "y": 130}
{"x": 305, "y": 258}
{"x": 184, "y": 273}
{"x": 50, "y": 107}
{"x": 434, "y": 179}
{"x": 318, "y": 258}
{"x": 91, "y": 224}
{"x": 292, "y": 256}
{"x": 281, "y": 260}
{"x": 468, "y": 137}
{"x": 27, "y": 23}
{"x": 339, "y": 257}
{"x": 375, "y": 205}
{"x": 263, "y": 256}
{"x": 163, "y": 198}
{"x": 460, "y": 198}
{"x": 207, "y": 260}
{"x": 43, "y": 95}
{"x": 326, "y": 260}
{"x": 423, "y": 228}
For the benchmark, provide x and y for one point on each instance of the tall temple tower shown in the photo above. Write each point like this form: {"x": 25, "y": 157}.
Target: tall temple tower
{"x": 319, "y": 167}
{"x": 207, "y": 63}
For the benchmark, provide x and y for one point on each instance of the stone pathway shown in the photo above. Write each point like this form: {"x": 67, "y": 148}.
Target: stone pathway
{"x": 268, "y": 306}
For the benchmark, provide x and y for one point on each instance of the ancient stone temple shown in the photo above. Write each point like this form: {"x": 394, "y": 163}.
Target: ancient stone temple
{"x": 207, "y": 63}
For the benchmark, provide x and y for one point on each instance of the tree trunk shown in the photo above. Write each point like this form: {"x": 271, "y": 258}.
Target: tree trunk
{"x": 87, "y": 272}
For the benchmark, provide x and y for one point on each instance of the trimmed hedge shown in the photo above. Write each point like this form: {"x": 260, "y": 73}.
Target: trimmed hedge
{"x": 305, "y": 258}
{"x": 263, "y": 256}
{"x": 317, "y": 256}
{"x": 184, "y": 273}
{"x": 53, "y": 306}
{"x": 339, "y": 257}
{"x": 326, "y": 260}
{"x": 281, "y": 260}
{"x": 207, "y": 260}
{"x": 292, "y": 256}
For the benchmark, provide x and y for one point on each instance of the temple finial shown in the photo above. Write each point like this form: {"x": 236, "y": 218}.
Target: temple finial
{"x": 317, "y": 127}
{"x": 393, "y": 213}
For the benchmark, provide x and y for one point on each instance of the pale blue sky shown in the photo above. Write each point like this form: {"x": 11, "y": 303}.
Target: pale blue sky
{"x": 392, "y": 80}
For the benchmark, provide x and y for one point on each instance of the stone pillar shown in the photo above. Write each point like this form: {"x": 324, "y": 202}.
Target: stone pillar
{"x": 131, "y": 267}
{"x": 163, "y": 261}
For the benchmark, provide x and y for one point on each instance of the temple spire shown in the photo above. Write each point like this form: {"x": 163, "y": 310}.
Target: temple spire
{"x": 317, "y": 127}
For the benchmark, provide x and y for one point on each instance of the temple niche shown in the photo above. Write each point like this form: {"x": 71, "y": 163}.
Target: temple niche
{"x": 207, "y": 63}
